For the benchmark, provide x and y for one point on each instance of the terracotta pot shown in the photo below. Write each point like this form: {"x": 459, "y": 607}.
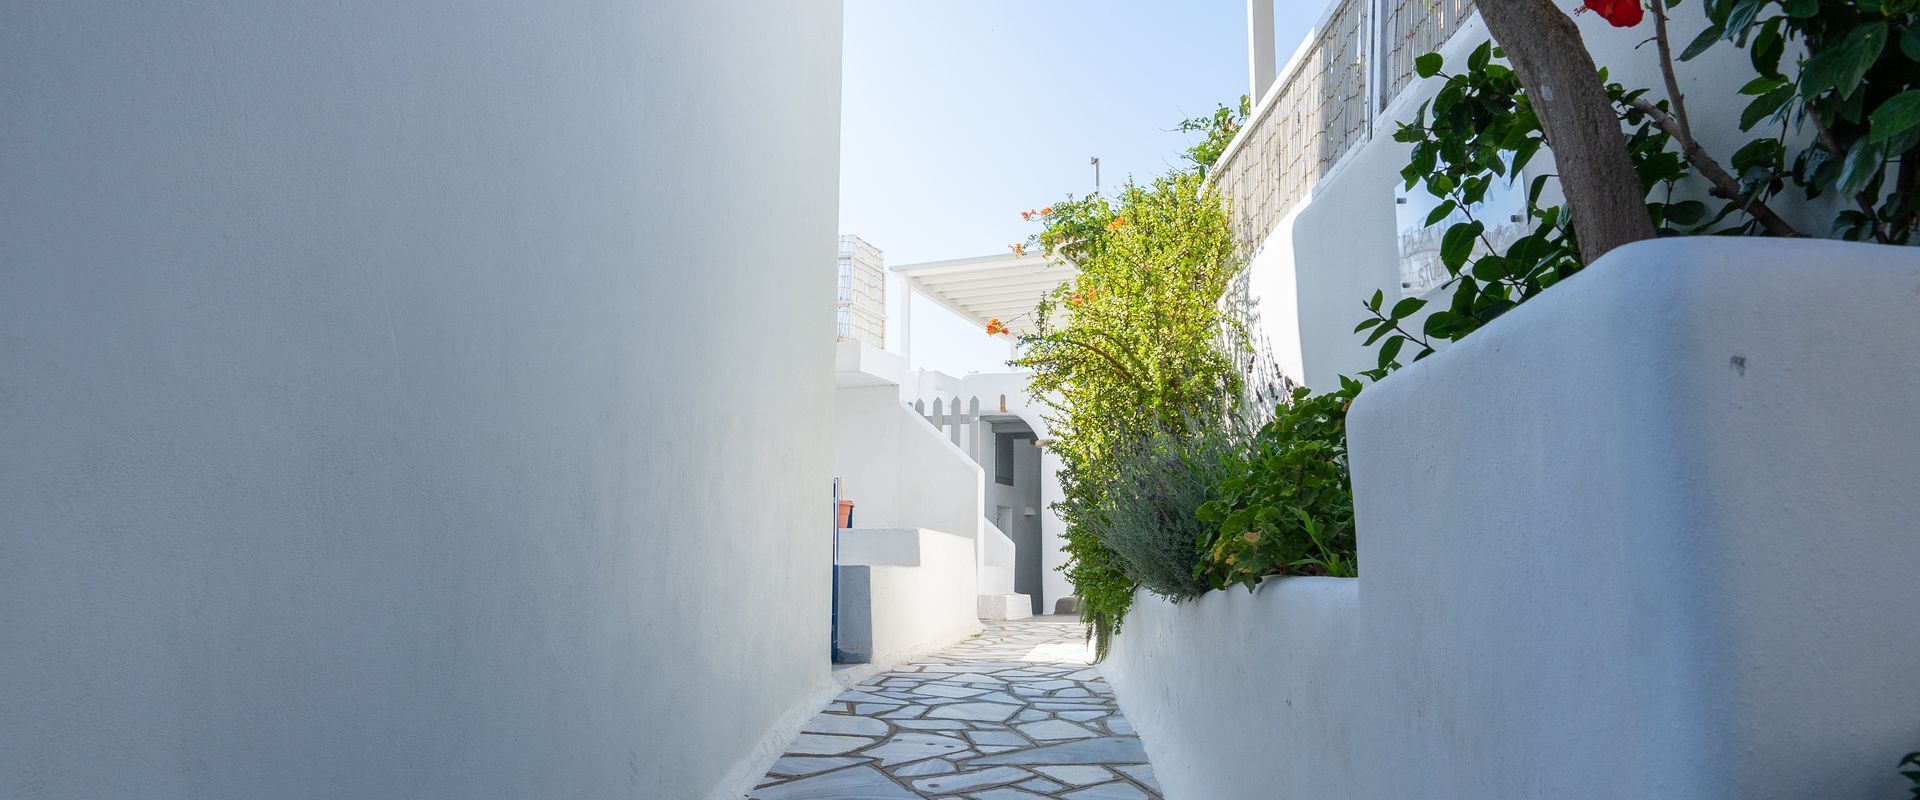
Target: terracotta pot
{"x": 845, "y": 519}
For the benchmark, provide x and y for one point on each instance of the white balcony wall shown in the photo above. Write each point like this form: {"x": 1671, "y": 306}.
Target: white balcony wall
{"x": 1649, "y": 536}
{"x": 370, "y": 412}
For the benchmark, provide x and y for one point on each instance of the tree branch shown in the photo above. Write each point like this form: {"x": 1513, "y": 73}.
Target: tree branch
{"x": 1666, "y": 67}
{"x": 1603, "y": 190}
{"x": 1724, "y": 186}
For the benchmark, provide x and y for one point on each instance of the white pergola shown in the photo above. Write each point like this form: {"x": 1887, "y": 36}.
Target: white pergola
{"x": 1004, "y": 287}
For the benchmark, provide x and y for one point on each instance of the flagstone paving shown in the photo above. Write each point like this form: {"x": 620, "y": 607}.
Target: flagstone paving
{"x": 1016, "y": 713}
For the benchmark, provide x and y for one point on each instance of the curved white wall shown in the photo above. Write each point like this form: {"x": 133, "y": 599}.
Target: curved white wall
{"x": 369, "y": 414}
{"x": 1649, "y": 536}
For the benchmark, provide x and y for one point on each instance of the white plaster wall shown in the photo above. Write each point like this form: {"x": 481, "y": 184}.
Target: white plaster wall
{"x": 888, "y": 611}
{"x": 996, "y": 559}
{"x": 1697, "y": 581}
{"x": 900, "y": 471}
{"x": 990, "y": 387}
{"x": 360, "y": 430}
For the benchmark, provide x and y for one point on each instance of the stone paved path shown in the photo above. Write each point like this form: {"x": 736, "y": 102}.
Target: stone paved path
{"x": 1015, "y": 713}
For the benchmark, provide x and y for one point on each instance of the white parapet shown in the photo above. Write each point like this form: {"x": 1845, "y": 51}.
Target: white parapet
{"x": 1651, "y": 535}
{"x": 902, "y": 591}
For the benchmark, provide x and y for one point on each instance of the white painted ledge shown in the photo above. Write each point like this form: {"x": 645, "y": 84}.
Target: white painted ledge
{"x": 1655, "y": 534}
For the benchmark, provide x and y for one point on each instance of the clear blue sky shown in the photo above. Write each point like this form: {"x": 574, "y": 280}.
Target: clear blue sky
{"x": 959, "y": 115}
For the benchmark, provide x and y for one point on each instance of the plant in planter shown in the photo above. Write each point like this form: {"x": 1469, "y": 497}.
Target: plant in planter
{"x": 1857, "y": 89}
{"x": 1286, "y": 503}
{"x": 1131, "y": 344}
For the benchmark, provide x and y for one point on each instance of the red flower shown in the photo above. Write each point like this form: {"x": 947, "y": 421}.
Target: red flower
{"x": 1026, "y": 215}
{"x": 1619, "y": 13}
{"x": 994, "y": 327}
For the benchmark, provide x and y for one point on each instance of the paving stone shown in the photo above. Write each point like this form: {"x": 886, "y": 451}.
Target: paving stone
{"x": 904, "y": 747}
{"x": 931, "y": 724}
{"x": 1142, "y": 773}
{"x": 819, "y": 744}
{"x": 992, "y": 712}
{"x": 1015, "y": 713}
{"x": 795, "y": 766}
{"x": 1108, "y": 791}
{"x": 1054, "y": 729}
{"x": 966, "y": 781}
{"x": 1008, "y": 793}
{"x": 1076, "y": 775}
{"x": 998, "y": 738}
{"x": 931, "y": 766}
{"x": 944, "y": 689}
{"x": 1104, "y": 750}
{"x": 842, "y": 724}
{"x": 853, "y": 783}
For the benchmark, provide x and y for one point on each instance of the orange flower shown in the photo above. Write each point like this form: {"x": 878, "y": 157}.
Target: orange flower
{"x": 994, "y": 327}
{"x": 1077, "y": 299}
{"x": 1046, "y": 211}
{"x": 1116, "y": 223}
{"x": 1018, "y": 248}
{"x": 1026, "y": 215}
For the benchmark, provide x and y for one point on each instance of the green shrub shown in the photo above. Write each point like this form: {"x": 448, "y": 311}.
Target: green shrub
{"x": 1286, "y": 504}
{"x": 1151, "y": 517}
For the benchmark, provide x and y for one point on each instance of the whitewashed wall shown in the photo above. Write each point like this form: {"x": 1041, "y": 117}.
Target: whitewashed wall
{"x": 361, "y": 430}
{"x": 899, "y": 471}
{"x": 1648, "y": 536}
{"x": 904, "y": 590}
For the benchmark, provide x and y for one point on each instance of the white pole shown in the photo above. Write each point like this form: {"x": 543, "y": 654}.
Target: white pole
{"x": 1260, "y": 61}
{"x": 906, "y": 322}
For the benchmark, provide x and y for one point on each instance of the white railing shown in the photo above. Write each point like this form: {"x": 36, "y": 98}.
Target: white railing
{"x": 1325, "y": 104}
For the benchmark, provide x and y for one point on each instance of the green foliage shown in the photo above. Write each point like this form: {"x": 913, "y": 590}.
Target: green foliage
{"x": 1217, "y": 131}
{"x": 1480, "y": 129}
{"x": 1286, "y": 505}
{"x": 1912, "y": 760}
{"x": 1857, "y": 87}
{"x": 1132, "y": 343}
{"x": 1151, "y": 515}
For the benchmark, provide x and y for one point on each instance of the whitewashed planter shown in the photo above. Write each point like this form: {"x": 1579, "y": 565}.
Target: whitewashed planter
{"x": 1655, "y": 534}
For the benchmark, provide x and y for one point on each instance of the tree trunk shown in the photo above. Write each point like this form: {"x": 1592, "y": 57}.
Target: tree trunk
{"x": 1603, "y": 192}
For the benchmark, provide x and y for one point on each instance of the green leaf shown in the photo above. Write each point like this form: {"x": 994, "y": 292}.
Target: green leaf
{"x": 1801, "y": 9}
{"x": 1439, "y": 213}
{"x": 1895, "y": 116}
{"x": 1391, "y": 349}
{"x": 1477, "y": 61}
{"x": 1367, "y": 323}
{"x": 1910, "y": 43}
{"x": 1407, "y": 307}
{"x": 1765, "y": 106}
{"x": 1378, "y": 298}
{"x": 1841, "y": 67}
{"x": 1763, "y": 84}
{"x": 1686, "y": 212}
{"x": 1862, "y": 166}
{"x": 1427, "y": 66}
{"x": 1377, "y": 333}
{"x": 1457, "y": 243}
{"x": 1490, "y": 268}
{"x": 1700, "y": 43}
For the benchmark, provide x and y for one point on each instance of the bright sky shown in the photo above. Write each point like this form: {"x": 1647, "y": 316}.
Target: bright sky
{"x": 957, "y": 116}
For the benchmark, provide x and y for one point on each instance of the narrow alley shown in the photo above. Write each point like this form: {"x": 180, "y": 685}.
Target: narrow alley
{"x": 1015, "y": 713}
